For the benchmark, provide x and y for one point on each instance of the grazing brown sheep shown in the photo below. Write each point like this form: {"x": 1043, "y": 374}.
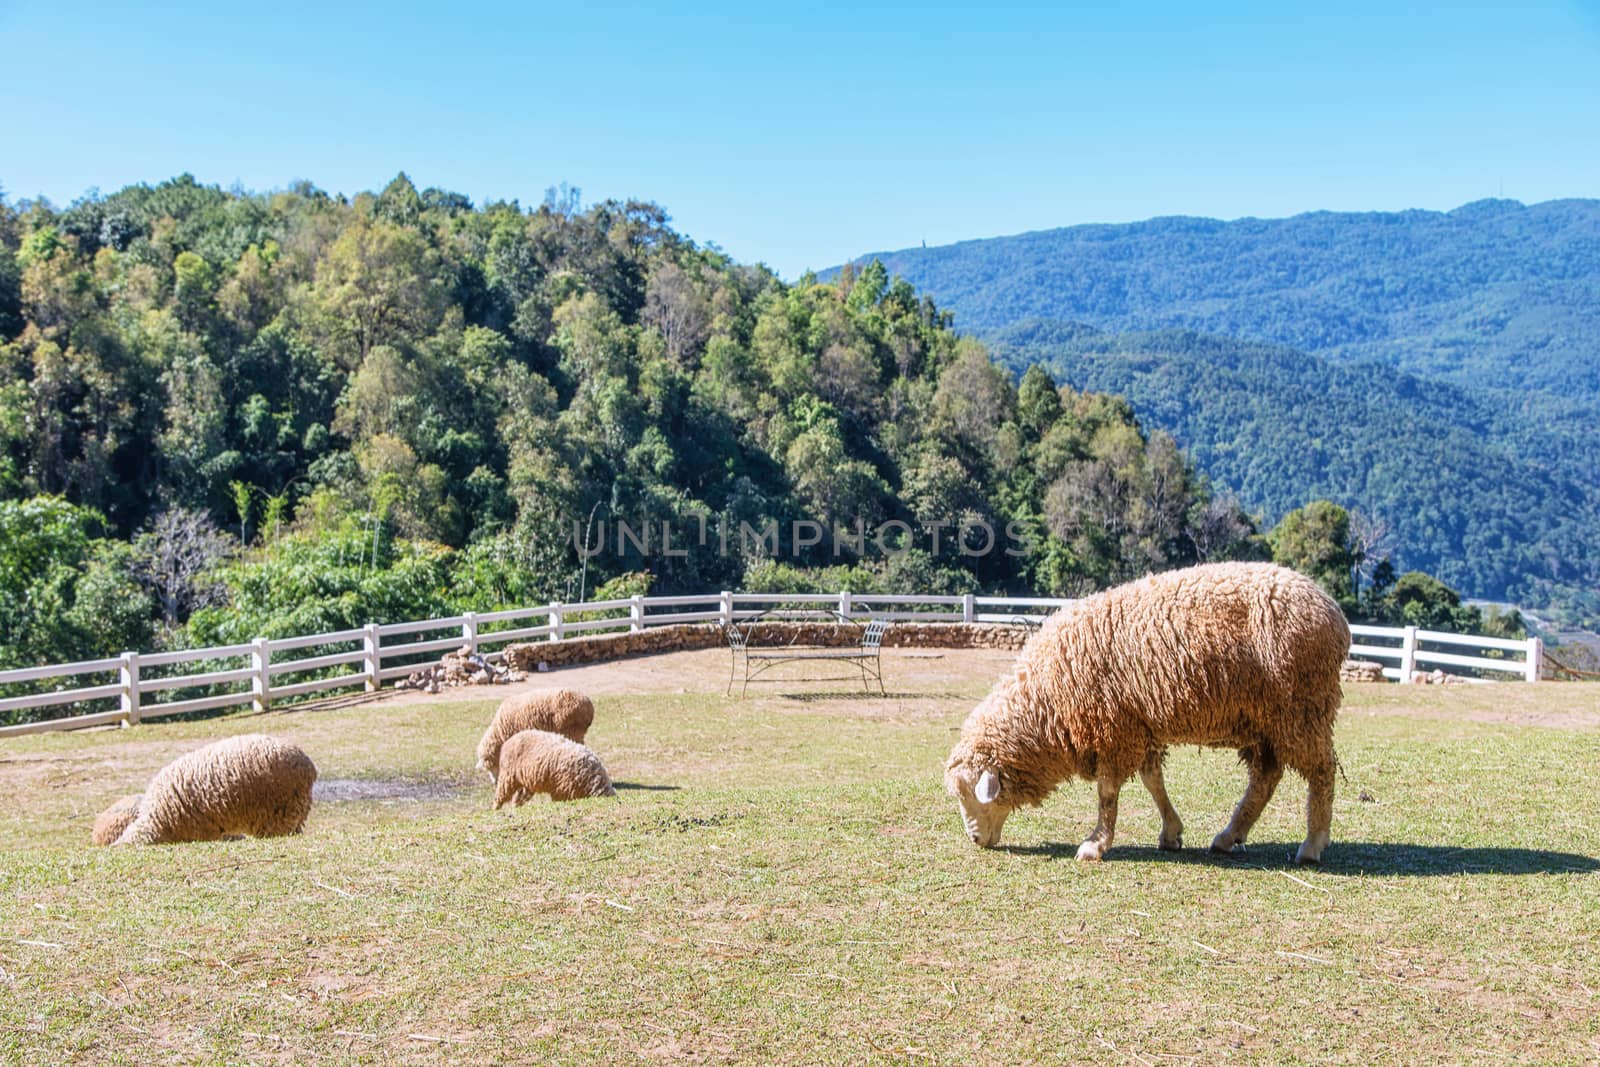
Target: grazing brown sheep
{"x": 253, "y": 785}
{"x": 1229, "y": 655}
{"x": 109, "y": 824}
{"x": 537, "y": 761}
{"x": 561, "y": 711}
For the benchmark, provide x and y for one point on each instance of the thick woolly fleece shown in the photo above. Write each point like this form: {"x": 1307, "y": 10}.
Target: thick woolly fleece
{"x": 537, "y": 761}
{"x": 560, "y": 711}
{"x": 253, "y": 785}
{"x": 109, "y": 824}
{"x": 1234, "y": 655}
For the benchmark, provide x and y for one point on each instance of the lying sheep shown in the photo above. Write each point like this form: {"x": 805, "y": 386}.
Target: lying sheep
{"x": 109, "y": 824}
{"x": 253, "y": 785}
{"x": 1230, "y": 655}
{"x": 538, "y": 761}
{"x": 560, "y": 711}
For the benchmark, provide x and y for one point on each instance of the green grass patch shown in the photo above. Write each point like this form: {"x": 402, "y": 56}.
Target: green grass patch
{"x": 784, "y": 880}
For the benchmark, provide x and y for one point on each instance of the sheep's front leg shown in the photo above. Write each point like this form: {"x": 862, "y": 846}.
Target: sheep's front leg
{"x": 1265, "y": 771}
{"x": 1171, "y": 826}
{"x": 1094, "y": 848}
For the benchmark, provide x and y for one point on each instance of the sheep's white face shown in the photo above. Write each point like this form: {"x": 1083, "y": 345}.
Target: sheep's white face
{"x": 983, "y": 810}
{"x": 489, "y": 756}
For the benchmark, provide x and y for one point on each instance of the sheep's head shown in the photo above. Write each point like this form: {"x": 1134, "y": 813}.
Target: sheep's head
{"x": 489, "y": 755}
{"x": 109, "y": 824}
{"x": 984, "y": 807}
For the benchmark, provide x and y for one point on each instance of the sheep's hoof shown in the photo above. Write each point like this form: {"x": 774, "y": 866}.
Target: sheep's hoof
{"x": 1090, "y": 852}
{"x": 1172, "y": 844}
{"x": 1224, "y": 845}
{"x": 1310, "y": 851}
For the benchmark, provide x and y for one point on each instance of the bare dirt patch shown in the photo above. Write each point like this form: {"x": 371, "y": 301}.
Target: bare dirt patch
{"x": 707, "y": 671}
{"x": 383, "y": 790}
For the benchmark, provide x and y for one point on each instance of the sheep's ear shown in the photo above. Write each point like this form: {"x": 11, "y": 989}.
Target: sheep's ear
{"x": 988, "y": 787}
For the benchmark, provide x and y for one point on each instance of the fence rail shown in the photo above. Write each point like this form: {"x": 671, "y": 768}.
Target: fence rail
{"x": 368, "y": 649}
{"x": 1413, "y": 648}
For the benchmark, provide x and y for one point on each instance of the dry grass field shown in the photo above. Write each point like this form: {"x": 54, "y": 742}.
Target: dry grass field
{"x": 781, "y": 879}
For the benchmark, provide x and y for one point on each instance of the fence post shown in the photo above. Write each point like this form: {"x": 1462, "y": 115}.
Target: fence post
{"x": 261, "y": 684}
{"x": 372, "y": 642}
{"x": 469, "y": 632}
{"x": 726, "y": 607}
{"x": 968, "y": 608}
{"x": 636, "y": 613}
{"x": 844, "y": 603}
{"x": 128, "y": 677}
{"x": 1535, "y": 658}
{"x": 1408, "y": 655}
{"x": 555, "y": 621}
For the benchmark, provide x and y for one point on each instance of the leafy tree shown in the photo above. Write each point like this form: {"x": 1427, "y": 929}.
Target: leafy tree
{"x": 325, "y": 582}
{"x": 378, "y": 284}
{"x": 111, "y": 609}
{"x": 1038, "y": 402}
{"x": 10, "y": 291}
{"x": 64, "y": 594}
{"x": 196, "y": 283}
{"x": 1315, "y": 540}
{"x": 1423, "y": 600}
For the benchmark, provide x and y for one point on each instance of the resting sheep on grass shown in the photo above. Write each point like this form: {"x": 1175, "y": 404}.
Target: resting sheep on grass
{"x": 109, "y": 824}
{"x": 537, "y": 761}
{"x": 1229, "y": 655}
{"x": 253, "y": 785}
{"x": 560, "y": 711}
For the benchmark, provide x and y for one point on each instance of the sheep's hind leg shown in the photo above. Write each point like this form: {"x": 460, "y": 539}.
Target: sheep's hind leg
{"x": 1319, "y": 812}
{"x": 1171, "y": 826}
{"x": 1265, "y": 771}
{"x": 1099, "y": 841}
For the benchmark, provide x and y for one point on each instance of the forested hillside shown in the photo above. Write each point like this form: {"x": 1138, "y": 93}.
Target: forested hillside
{"x": 224, "y": 414}
{"x": 1494, "y": 293}
{"x": 1503, "y": 501}
{"x": 1439, "y": 371}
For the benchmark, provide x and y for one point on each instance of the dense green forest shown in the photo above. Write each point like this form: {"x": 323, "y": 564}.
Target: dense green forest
{"x": 1439, "y": 372}
{"x": 1505, "y": 504}
{"x": 1495, "y": 294}
{"x": 224, "y": 414}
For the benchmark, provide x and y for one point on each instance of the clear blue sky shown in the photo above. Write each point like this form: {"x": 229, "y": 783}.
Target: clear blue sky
{"x": 805, "y": 133}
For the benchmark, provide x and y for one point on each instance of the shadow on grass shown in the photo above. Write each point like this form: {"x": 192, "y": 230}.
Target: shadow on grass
{"x": 645, "y": 788}
{"x": 1397, "y": 860}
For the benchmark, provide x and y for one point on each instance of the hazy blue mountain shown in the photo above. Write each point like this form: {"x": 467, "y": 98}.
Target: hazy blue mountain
{"x": 1493, "y": 293}
{"x": 1496, "y": 492}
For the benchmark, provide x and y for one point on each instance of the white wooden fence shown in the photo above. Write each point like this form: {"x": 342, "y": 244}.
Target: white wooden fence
{"x": 1412, "y": 649}
{"x": 265, "y": 669}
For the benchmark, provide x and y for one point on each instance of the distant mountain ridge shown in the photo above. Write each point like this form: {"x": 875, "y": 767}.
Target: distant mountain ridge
{"x": 1440, "y": 370}
{"x": 1490, "y": 497}
{"x": 1494, "y": 293}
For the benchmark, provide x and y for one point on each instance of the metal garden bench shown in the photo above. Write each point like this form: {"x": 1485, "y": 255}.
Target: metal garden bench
{"x": 863, "y": 651}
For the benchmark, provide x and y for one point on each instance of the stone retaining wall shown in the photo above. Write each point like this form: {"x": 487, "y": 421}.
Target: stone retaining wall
{"x": 593, "y": 648}
{"x": 1361, "y": 670}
